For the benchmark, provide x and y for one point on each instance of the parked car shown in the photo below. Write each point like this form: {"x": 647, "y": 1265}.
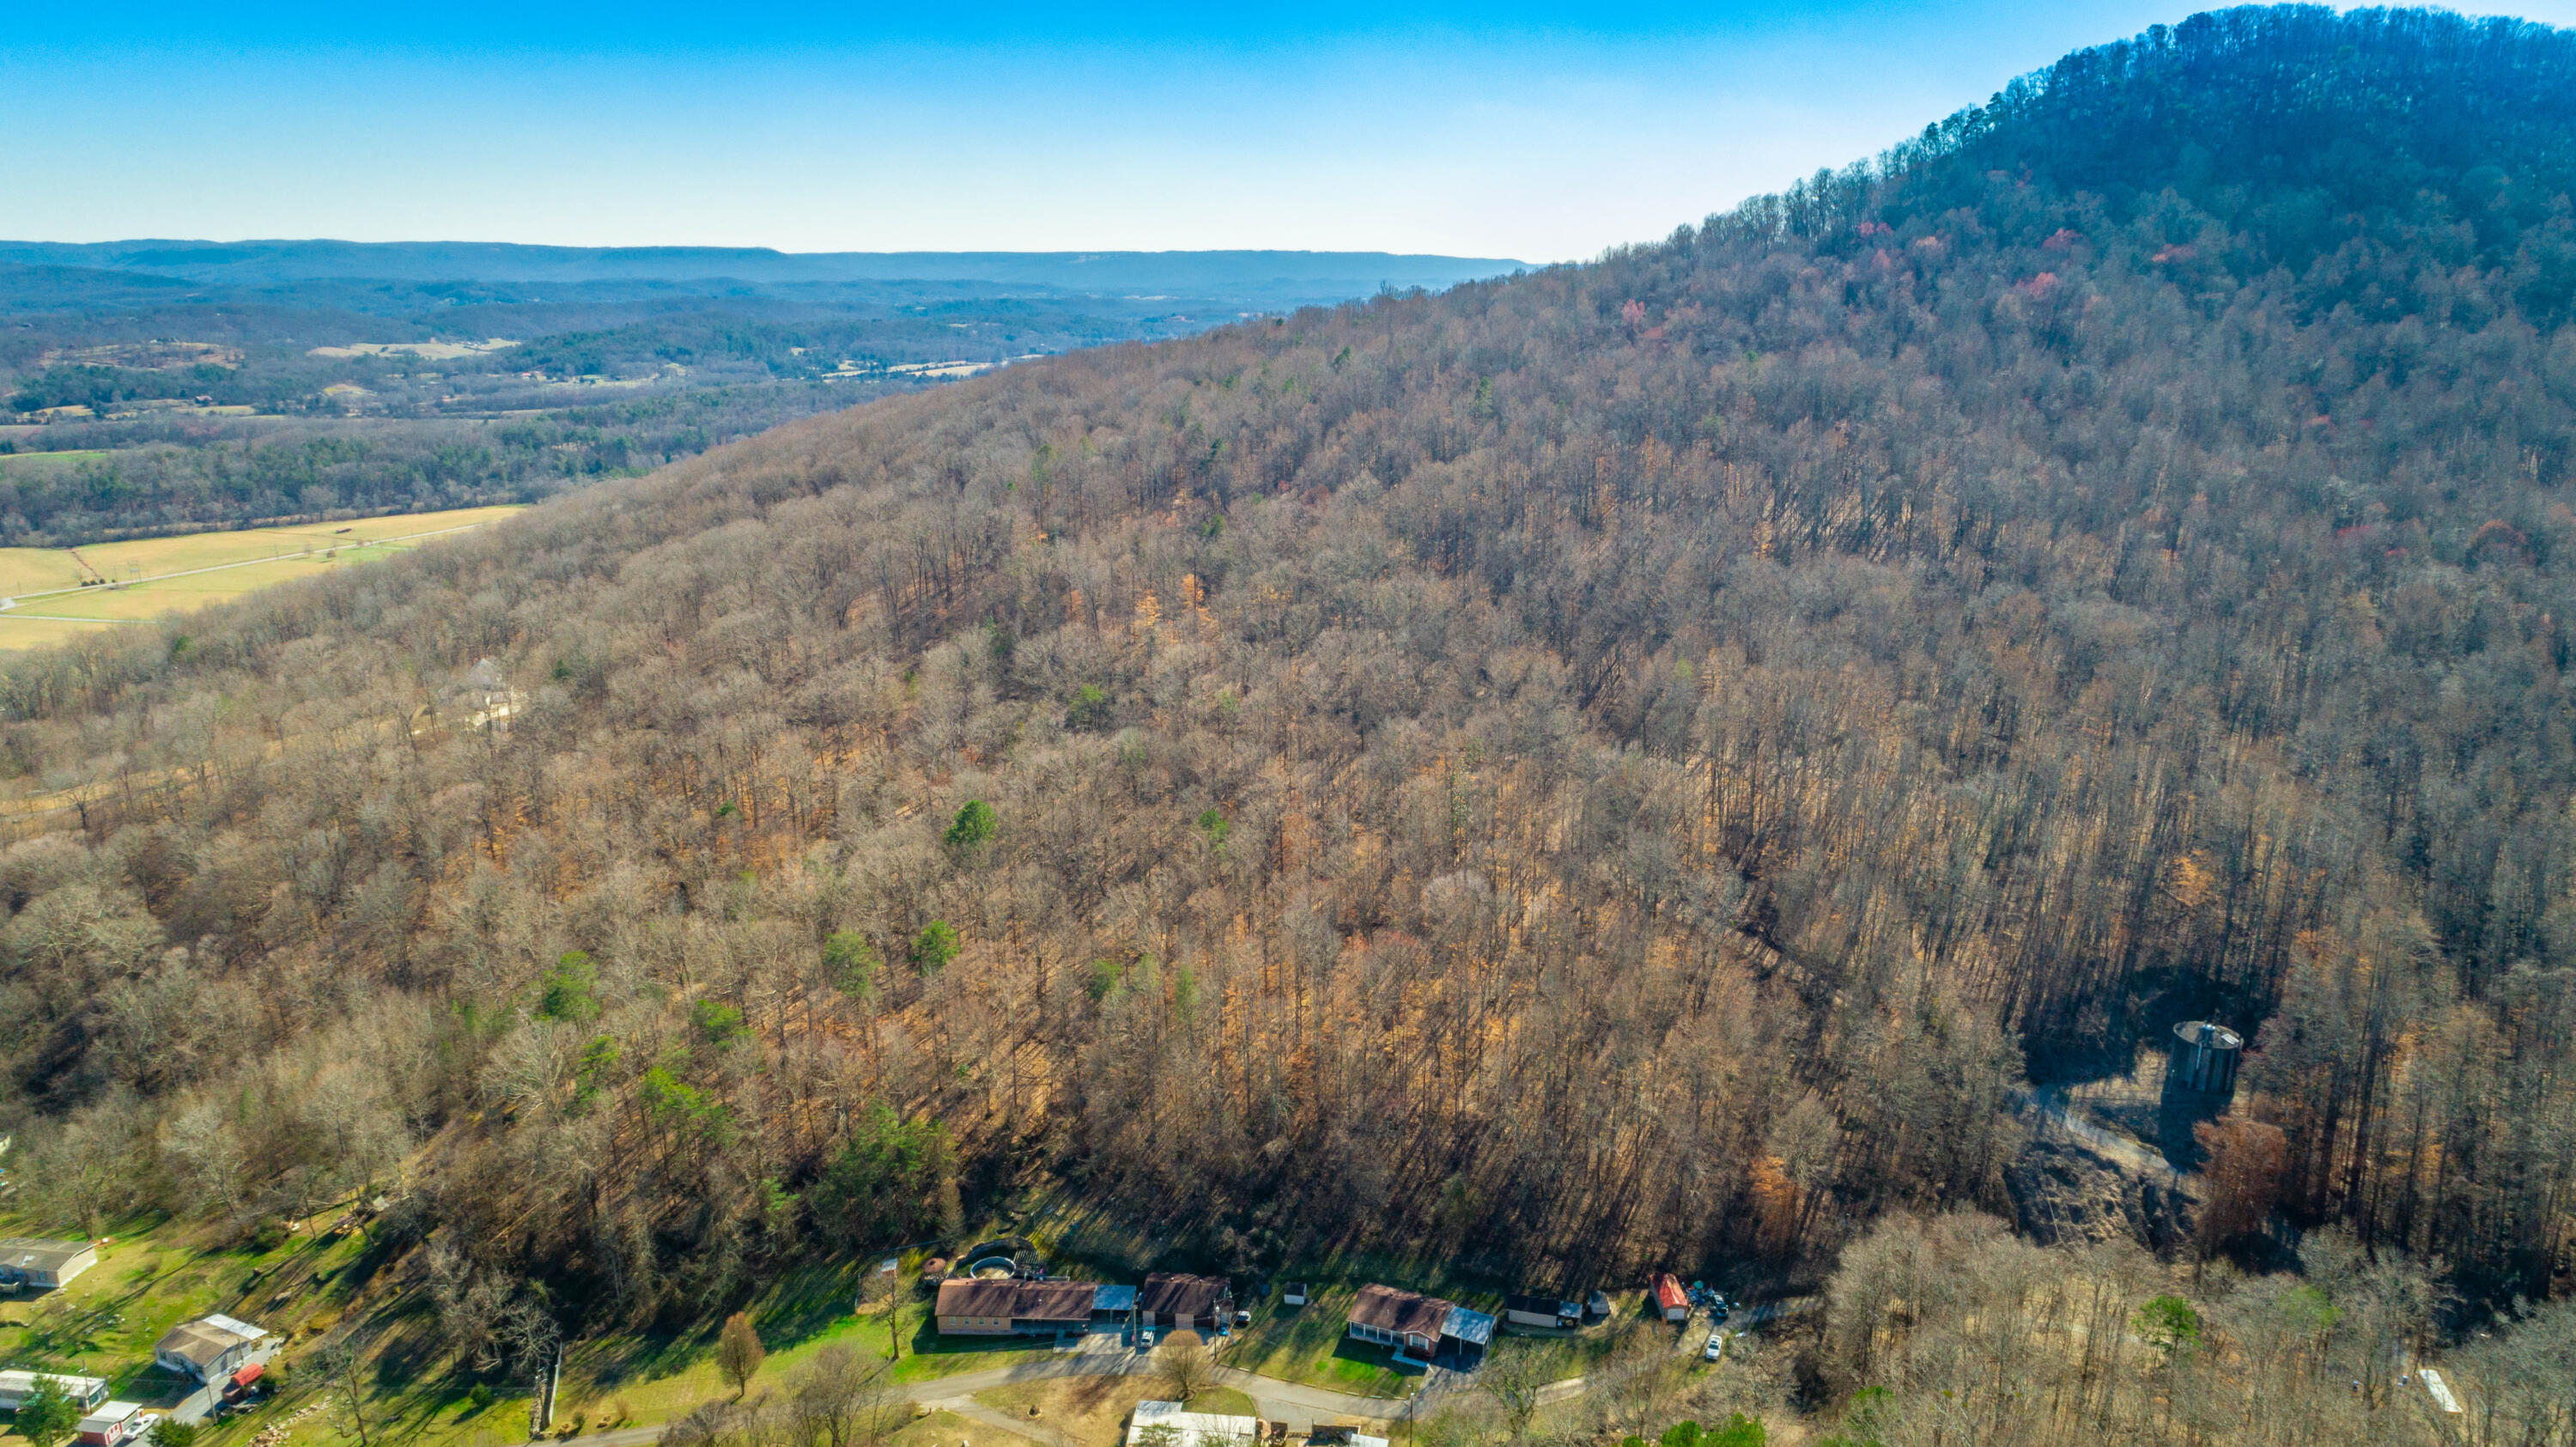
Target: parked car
{"x": 1716, "y": 1347}
{"x": 1242, "y": 1318}
{"x": 1598, "y": 1306}
{"x": 1146, "y": 1338}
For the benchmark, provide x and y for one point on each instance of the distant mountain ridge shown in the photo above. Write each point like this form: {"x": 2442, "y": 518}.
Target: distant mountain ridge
{"x": 1282, "y": 276}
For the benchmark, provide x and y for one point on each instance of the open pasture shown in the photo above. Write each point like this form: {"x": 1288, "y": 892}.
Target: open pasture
{"x": 156, "y": 576}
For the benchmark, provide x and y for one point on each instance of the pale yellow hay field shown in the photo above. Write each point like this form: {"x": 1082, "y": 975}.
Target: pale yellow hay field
{"x": 240, "y": 562}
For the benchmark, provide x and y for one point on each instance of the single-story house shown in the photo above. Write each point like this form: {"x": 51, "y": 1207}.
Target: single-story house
{"x": 1294, "y": 1294}
{"x": 1405, "y": 1320}
{"x": 45, "y": 1265}
{"x": 1533, "y": 1309}
{"x": 85, "y": 1392}
{"x": 1169, "y": 1424}
{"x": 1004, "y": 1307}
{"x": 1424, "y": 1330}
{"x": 1669, "y": 1298}
{"x": 209, "y": 1347}
{"x": 110, "y": 1426}
{"x": 1176, "y": 1301}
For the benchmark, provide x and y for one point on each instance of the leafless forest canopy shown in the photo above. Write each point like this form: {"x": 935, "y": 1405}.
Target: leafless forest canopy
{"x": 1627, "y": 764}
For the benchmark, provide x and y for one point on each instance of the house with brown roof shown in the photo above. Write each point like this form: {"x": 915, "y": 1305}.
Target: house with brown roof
{"x": 1423, "y": 1330}
{"x": 1177, "y": 1301}
{"x": 209, "y": 1347}
{"x": 1004, "y": 1307}
{"x": 1405, "y": 1320}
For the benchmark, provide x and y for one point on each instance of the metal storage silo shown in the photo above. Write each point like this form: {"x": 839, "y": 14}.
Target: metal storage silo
{"x": 2204, "y": 1057}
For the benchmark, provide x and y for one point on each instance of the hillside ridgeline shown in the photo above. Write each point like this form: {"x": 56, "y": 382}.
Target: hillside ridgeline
{"x": 1628, "y": 764}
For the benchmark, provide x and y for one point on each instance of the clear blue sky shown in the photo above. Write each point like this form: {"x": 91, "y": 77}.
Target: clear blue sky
{"x": 1543, "y": 133}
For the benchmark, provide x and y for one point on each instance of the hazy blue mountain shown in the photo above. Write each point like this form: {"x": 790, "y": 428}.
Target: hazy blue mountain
{"x": 1274, "y": 277}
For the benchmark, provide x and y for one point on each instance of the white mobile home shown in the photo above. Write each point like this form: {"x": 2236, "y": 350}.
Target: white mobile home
{"x": 85, "y": 1392}
{"x": 44, "y": 1265}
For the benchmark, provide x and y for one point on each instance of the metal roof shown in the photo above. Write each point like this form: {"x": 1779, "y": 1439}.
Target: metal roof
{"x": 1114, "y": 1298}
{"x": 22, "y": 1382}
{"x": 1191, "y": 1429}
{"x": 28, "y": 1253}
{"x": 109, "y": 1415}
{"x": 1468, "y": 1326}
{"x": 203, "y": 1342}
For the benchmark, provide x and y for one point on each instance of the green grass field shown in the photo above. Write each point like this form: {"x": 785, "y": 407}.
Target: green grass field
{"x": 245, "y": 562}
{"x": 152, "y": 1276}
{"x": 105, "y": 1322}
{"x": 155, "y": 1276}
{"x": 1310, "y": 1344}
{"x": 35, "y": 461}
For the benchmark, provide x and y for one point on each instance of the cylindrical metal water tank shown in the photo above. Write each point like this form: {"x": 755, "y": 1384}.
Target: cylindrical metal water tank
{"x": 2204, "y": 1057}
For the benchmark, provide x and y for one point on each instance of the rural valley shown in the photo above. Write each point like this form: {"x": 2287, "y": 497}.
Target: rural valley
{"x": 1935, "y": 810}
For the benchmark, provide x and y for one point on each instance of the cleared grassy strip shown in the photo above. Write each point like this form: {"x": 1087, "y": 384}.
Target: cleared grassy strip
{"x": 243, "y": 562}
{"x": 145, "y": 557}
{"x": 29, "y": 570}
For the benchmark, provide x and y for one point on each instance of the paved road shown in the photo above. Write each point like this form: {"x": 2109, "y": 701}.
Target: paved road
{"x": 1274, "y": 1400}
{"x": 195, "y": 1406}
{"x": 1301, "y": 1406}
{"x": 1296, "y": 1403}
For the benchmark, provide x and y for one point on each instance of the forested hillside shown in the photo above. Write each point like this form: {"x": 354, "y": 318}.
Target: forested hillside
{"x": 1631, "y": 763}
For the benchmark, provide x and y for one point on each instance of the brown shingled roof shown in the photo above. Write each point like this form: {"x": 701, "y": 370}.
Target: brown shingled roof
{"x": 1401, "y": 1313}
{"x": 997, "y": 1297}
{"x": 1019, "y": 1300}
{"x": 1057, "y": 1300}
{"x": 1174, "y": 1293}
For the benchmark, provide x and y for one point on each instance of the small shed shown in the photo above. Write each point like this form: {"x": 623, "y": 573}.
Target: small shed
{"x": 1295, "y": 1293}
{"x": 1669, "y": 1297}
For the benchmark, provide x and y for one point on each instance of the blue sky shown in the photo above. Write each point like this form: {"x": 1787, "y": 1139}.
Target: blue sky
{"x": 1543, "y": 134}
